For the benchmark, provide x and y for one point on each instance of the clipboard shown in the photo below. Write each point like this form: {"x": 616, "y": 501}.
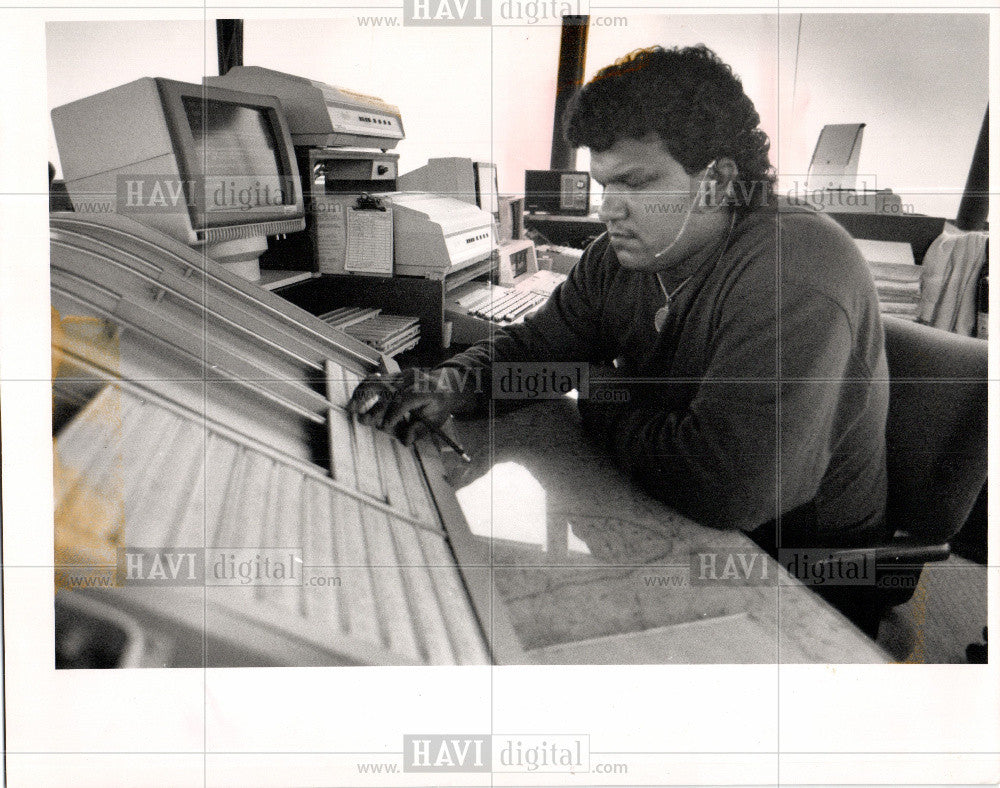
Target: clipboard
{"x": 369, "y": 238}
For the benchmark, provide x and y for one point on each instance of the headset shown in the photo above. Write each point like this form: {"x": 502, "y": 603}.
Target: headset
{"x": 690, "y": 210}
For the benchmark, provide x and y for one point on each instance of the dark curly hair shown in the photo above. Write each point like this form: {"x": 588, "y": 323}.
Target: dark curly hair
{"x": 691, "y": 99}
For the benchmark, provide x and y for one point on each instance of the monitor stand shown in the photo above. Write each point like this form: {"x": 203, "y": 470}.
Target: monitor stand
{"x": 241, "y": 256}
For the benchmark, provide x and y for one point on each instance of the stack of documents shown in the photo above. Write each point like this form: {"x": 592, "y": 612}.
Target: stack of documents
{"x": 896, "y": 275}
{"x": 388, "y": 334}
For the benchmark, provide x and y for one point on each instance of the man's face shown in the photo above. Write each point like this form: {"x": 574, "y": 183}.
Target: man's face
{"x": 647, "y": 195}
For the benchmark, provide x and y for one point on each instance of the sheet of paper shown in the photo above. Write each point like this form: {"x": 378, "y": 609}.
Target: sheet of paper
{"x": 369, "y": 242}
{"x": 886, "y": 251}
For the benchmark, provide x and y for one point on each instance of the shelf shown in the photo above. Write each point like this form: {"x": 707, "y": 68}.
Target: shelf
{"x": 272, "y": 280}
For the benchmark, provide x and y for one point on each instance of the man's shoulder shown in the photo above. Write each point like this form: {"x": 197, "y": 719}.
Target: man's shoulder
{"x": 818, "y": 253}
{"x": 810, "y": 248}
{"x": 809, "y": 254}
{"x": 816, "y": 232}
{"x": 797, "y": 227}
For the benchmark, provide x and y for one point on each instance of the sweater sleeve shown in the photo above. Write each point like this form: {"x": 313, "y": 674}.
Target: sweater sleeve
{"x": 565, "y": 328}
{"x": 774, "y": 380}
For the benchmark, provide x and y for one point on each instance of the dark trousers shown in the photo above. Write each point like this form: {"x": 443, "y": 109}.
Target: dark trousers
{"x": 862, "y": 604}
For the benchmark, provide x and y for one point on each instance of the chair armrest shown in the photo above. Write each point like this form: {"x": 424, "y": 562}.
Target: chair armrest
{"x": 909, "y": 551}
{"x": 898, "y": 552}
{"x": 890, "y": 570}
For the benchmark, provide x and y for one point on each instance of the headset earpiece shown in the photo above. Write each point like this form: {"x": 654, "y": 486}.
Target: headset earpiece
{"x": 702, "y": 185}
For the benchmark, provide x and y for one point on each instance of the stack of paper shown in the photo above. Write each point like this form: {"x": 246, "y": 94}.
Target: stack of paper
{"x": 896, "y": 275}
{"x": 388, "y": 334}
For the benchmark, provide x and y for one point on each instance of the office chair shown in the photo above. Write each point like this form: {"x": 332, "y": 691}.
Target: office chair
{"x": 936, "y": 431}
{"x": 936, "y": 453}
{"x": 936, "y": 438}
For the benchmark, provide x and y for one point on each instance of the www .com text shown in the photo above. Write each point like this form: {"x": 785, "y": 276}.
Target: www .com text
{"x": 70, "y": 581}
{"x": 609, "y": 396}
{"x": 94, "y": 206}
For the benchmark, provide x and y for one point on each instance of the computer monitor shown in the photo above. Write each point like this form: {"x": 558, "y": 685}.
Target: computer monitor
{"x": 211, "y": 167}
{"x": 557, "y": 191}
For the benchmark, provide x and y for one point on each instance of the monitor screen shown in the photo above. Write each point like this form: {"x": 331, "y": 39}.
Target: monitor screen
{"x": 557, "y": 191}
{"x": 239, "y": 152}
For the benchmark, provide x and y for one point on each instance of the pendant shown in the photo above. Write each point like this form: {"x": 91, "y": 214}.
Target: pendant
{"x": 660, "y": 318}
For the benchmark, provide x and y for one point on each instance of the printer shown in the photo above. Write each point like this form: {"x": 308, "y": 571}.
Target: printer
{"x": 321, "y": 115}
{"x": 434, "y": 235}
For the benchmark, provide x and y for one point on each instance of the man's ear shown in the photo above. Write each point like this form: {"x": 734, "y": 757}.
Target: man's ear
{"x": 725, "y": 173}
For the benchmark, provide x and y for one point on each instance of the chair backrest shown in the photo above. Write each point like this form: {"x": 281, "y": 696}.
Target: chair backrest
{"x": 936, "y": 443}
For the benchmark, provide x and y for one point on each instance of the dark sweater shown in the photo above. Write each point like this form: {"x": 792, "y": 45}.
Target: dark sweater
{"x": 762, "y": 350}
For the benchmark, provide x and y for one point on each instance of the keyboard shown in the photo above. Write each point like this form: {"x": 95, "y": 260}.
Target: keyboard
{"x": 475, "y": 306}
{"x": 501, "y": 304}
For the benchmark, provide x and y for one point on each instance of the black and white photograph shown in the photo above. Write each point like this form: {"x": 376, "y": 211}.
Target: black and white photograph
{"x": 491, "y": 392}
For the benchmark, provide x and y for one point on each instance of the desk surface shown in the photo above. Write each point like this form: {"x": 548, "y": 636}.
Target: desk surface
{"x": 592, "y": 570}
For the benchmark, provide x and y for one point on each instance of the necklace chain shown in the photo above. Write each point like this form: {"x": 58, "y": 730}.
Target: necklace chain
{"x": 670, "y": 296}
{"x": 660, "y": 318}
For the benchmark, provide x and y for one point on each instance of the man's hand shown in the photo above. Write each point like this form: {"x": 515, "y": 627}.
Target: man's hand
{"x": 404, "y": 404}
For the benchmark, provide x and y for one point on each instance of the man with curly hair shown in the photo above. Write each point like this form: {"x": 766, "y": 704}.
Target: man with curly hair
{"x": 747, "y": 332}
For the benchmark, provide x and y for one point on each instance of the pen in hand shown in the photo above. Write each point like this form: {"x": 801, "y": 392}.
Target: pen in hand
{"x": 372, "y": 399}
{"x": 455, "y": 445}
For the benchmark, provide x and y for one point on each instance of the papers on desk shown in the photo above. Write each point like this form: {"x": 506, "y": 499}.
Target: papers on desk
{"x": 892, "y": 252}
{"x": 388, "y": 334}
{"x": 896, "y": 275}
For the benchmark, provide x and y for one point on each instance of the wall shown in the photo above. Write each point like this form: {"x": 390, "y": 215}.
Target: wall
{"x": 476, "y": 92}
{"x": 918, "y": 80}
